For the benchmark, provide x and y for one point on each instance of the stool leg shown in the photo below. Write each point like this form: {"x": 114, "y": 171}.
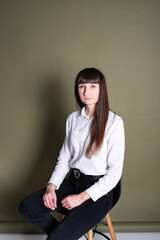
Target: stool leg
{"x": 90, "y": 235}
{"x": 110, "y": 227}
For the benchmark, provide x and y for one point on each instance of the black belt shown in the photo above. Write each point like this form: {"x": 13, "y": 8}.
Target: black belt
{"x": 79, "y": 175}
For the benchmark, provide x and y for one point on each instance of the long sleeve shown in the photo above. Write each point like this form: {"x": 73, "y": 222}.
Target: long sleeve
{"x": 62, "y": 167}
{"x": 115, "y": 158}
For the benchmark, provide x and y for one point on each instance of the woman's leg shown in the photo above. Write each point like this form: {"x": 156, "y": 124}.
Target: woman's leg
{"x": 34, "y": 211}
{"x": 81, "y": 219}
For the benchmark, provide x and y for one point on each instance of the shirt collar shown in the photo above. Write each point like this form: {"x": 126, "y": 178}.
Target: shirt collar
{"x": 83, "y": 112}
{"x": 84, "y": 115}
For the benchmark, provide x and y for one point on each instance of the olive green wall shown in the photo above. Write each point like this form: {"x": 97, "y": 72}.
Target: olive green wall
{"x": 43, "y": 45}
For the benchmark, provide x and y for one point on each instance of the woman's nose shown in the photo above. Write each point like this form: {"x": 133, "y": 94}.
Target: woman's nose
{"x": 86, "y": 91}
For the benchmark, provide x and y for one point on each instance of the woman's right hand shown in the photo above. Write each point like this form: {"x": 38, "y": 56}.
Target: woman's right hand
{"x": 49, "y": 197}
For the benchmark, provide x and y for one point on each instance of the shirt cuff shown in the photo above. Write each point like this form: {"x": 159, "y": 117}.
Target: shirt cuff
{"x": 56, "y": 181}
{"x": 94, "y": 193}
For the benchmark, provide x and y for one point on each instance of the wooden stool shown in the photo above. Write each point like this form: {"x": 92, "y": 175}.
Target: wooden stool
{"x": 90, "y": 233}
{"x": 116, "y": 196}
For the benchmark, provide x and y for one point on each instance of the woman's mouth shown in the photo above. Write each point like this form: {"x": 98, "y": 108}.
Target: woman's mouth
{"x": 87, "y": 98}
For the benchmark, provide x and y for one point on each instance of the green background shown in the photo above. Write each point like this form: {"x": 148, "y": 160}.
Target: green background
{"x": 43, "y": 45}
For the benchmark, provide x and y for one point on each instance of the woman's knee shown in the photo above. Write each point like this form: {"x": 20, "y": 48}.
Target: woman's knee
{"x": 32, "y": 207}
{"x": 25, "y": 209}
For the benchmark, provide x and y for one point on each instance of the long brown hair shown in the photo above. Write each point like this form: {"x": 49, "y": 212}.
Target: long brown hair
{"x": 97, "y": 130}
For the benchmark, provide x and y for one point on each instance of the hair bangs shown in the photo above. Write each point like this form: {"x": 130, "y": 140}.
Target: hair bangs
{"x": 88, "y": 80}
{"x": 88, "y": 75}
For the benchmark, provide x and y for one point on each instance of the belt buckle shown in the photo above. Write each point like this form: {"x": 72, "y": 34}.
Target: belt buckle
{"x": 77, "y": 173}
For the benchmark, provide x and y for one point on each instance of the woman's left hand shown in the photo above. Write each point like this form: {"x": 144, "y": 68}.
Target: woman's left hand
{"x": 73, "y": 201}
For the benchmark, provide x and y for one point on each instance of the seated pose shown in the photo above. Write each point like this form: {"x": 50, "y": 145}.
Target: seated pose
{"x": 93, "y": 151}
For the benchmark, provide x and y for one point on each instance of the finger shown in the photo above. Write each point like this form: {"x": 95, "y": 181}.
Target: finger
{"x": 70, "y": 208}
{"x": 65, "y": 200}
{"x": 66, "y": 204}
{"x": 54, "y": 200}
{"x": 66, "y": 207}
{"x": 48, "y": 202}
{"x": 51, "y": 203}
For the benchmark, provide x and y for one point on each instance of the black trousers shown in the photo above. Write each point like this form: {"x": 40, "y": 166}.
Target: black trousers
{"x": 77, "y": 221}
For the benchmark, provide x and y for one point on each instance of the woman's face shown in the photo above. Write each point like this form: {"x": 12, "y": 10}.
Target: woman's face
{"x": 89, "y": 93}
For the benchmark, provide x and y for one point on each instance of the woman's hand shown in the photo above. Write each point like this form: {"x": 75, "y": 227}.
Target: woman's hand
{"x": 73, "y": 201}
{"x": 49, "y": 197}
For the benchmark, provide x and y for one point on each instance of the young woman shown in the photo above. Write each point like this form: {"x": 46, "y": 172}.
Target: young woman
{"x": 93, "y": 150}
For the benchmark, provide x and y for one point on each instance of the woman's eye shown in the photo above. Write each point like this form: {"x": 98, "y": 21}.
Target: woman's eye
{"x": 93, "y": 86}
{"x": 80, "y": 86}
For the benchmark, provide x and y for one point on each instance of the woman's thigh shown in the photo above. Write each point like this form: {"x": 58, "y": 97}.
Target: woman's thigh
{"x": 81, "y": 219}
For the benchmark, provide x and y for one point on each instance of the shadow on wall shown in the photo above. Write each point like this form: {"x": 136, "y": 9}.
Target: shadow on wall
{"x": 51, "y": 135}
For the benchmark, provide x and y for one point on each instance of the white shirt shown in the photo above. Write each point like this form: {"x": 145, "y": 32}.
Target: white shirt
{"x": 108, "y": 161}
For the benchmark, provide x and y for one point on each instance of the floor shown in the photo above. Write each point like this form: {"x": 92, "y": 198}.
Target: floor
{"x": 120, "y": 236}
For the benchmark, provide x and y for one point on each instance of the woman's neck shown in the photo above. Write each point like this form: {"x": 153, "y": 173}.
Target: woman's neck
{"x": 89, "y": 111}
